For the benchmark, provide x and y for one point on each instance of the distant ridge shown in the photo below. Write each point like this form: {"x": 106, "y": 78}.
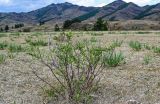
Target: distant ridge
{"x": 117, "y": 10}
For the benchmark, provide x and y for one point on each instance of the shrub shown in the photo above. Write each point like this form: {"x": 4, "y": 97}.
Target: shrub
{"x": 135, "y": 45}
{"x": 76, "y": 67}
{"x": 3, "y": 45}
{"x": 113, "y": 59}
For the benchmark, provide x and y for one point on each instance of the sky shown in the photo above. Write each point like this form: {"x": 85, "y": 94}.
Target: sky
{"x": 29, "y": 5}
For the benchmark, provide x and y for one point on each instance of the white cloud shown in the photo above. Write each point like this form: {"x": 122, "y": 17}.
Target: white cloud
{"x": 5, "y": 2}
{"x": 101, "y": 5}
{"x": 83, "y": 2}
{"x": 140, "y": 2}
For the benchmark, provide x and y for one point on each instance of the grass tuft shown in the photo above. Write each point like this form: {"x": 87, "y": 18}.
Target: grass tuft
{"x": 135, "y": 45}
{"x": 15, "y": 48}
{"x": 2, "y": 58}
{"x": 113, "y": 59}
{"x": 3, "y": 45}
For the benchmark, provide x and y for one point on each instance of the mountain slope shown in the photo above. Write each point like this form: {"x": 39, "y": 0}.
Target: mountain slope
{"x": 56, "y": 13}
{"x": 125, "y": 12}
{"x": 151, "y": 13}
{"x": 60, "y": 12}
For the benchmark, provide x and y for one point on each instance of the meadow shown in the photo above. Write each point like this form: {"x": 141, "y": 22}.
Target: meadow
{"x": 131, "y": 71}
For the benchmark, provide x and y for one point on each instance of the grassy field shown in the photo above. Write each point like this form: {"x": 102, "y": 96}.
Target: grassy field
{"x": 134, "y": 76}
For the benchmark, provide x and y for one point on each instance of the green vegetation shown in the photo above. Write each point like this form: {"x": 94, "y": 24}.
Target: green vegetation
{"x": 67, "y": 65}
{"x": 15, "y": 48}
{"x": 100, "y": 25}
{"x": 2, "y": 58}
{"x": 146, "y": 46}
{"x": 38, "y": 42}
{"x": 156, "y": 50}
{"x": 15, "y": 34}
{"x": 96, "y": 34}
{"x": 6, "y": 28}
{"x": 115, "y": 43}
{"x": 93, "y": 40}
{"x": 113, "y": 59}
{"x": 3, "y": 35}
{"x": 3, "y": 45}
{"x": 68, "y": 23}
{"x": 147, "y": 59}
{"x": 56, "y": 28}
{"x": 19, "y": 25}
{"x": 135, "y": 45}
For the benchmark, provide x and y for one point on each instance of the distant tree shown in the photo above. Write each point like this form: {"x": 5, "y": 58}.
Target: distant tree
{"x": 19, "y": 25}
{"x": 56, "y": 28}
{"x": 75, "y": 20}
{"x": 6, "y": 28}
{"x": 1, "y": 30}
{"x": 68, "y": 23}
{"x": 100, "y": 25}
{"x": 41, "y": 23}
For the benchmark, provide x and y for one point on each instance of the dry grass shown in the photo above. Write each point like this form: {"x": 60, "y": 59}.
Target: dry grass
{"x": 130, "y": 81}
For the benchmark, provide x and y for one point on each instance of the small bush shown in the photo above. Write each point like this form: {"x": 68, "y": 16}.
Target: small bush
{"x": 3, "y": 45}
{"x": 113, "y": 59}
{"x": 135, "y": 45}
{"x": 76, "y": 67}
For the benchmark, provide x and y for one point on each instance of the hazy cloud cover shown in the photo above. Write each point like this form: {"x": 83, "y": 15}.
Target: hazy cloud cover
{"x": 28, "y": 5}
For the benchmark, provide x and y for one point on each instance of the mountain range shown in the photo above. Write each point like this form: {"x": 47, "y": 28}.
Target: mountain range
{"x": 55, "y": 13}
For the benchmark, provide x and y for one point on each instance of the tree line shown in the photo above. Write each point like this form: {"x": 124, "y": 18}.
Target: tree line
{"x": 6, "y": 28}
{"x": 99, "y": 25}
